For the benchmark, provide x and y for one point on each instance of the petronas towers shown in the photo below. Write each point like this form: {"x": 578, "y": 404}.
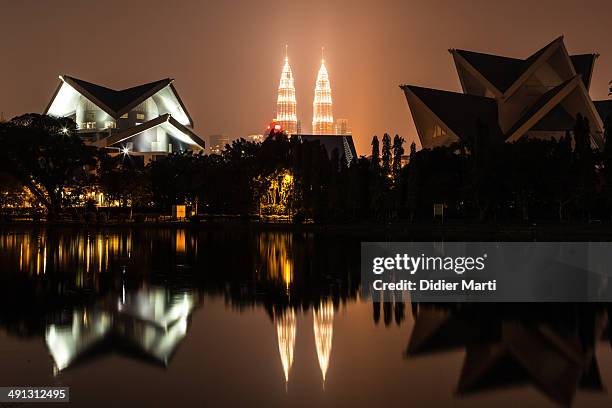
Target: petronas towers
{"x": 286, "y": 105}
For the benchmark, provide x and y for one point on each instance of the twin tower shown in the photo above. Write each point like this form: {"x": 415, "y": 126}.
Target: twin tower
{"x": 286, "y": 105}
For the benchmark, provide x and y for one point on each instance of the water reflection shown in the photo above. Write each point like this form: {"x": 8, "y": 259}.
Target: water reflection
{"x": 89, "y": 293}
{"x": 149, "y": 323}
{"x": 549, "y": 347}
{"x": 323, "y": 324}
{"x": 286, "y": 328}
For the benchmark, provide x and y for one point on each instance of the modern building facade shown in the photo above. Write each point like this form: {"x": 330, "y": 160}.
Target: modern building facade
{"x": 342, "y": 143}
{"x": 322, "y": 115}
{"x": 539, "y": 97}
{"x": 148, "y": 120}
{"x": 286, "y": 104}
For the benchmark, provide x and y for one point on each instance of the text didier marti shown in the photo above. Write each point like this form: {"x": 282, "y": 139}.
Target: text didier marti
{"x": 404, "y": 263}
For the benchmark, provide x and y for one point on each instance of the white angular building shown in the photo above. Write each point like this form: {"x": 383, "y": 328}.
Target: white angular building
{"x": 147, "y": 120}
{"x": 539, "y": 96}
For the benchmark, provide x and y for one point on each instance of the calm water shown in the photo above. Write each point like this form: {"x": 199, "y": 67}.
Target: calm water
{"x": 272, "y": 318}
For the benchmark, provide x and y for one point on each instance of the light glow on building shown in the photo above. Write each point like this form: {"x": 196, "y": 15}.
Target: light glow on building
{"x": 285, "y": 330}
{"x": 322, "y": 116}
{"x": 286, "y": 105}
{"x": 323, "y": 324}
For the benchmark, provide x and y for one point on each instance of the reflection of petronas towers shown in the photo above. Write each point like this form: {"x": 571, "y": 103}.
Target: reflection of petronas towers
{"x": 286, "y": 104}
{"x": 323, "y": 325}
{"x": 285, "y": 331}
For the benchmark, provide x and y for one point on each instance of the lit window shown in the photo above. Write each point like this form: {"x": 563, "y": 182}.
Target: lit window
{"x": 140, "y": 116}
{"x": 88, "y": 125}
{"x": 111, "y": 124}
{"x": 124, "y": 116}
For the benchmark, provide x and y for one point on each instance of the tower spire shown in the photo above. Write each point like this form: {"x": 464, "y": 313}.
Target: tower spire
{"x": 322, "y": 116}
{"x": 286, "y": 105}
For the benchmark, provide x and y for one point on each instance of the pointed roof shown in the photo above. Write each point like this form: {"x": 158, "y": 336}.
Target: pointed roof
{"x": 460, "y": 112}
{"x": 118, "y": 101}
{"x": 543, "y": 100}
{"x": 583, "y": 65}
{"x": 114, "y": 102}
{"x": 500, "y": 71}
{"x": 604, "y": 108}
{"x": 503, "y": 71}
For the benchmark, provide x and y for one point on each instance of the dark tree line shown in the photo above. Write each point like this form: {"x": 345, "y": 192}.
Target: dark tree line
{"x": 480, "y": 179}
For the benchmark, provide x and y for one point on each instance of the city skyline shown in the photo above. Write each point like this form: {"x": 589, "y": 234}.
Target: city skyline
{"x": 227, "y": 84}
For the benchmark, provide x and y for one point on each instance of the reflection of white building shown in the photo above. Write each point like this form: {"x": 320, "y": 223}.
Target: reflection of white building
{"x": 323, "y": 324}
{"x": 285, "y": 332}
{"x": 150, "y": 321}
{"x": 146, "y": 120}
{"x": 539, "y": 97}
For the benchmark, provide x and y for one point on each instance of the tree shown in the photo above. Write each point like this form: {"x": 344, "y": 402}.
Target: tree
{"x": 398, "y": 151}
{"x": 583, "y": 179}
{"x": 47, "y": 157}
{"x": 386, "y": 155}
{"x": 375, "y": 152}
{"x": 122, "y": 178}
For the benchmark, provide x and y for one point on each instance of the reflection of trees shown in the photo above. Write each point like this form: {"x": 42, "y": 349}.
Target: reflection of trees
{"x": 549, "y": 346}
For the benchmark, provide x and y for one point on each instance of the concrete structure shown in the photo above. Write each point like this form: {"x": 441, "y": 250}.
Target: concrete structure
{"x": 539, "y": 96}
{"x": 148, "y": 120}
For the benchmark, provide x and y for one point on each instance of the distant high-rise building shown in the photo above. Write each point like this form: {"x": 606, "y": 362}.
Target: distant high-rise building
{"x": 342, "y": 127}
{"x": 286, "y": 105}
{"x": 217, "y": 143}
{"x": 322, "y": 116}
{"x": 257, "y": 138}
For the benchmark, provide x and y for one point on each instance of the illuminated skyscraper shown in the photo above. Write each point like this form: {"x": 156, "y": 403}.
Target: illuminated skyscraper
{"x": 286, "y": 105}
{"x": 322, "y": 116}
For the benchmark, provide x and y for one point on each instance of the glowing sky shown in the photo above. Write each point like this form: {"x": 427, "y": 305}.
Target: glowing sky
{"x": 227, "y": 55}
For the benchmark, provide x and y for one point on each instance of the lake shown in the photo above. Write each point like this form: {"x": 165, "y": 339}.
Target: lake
{"x": 168, "y": 316}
